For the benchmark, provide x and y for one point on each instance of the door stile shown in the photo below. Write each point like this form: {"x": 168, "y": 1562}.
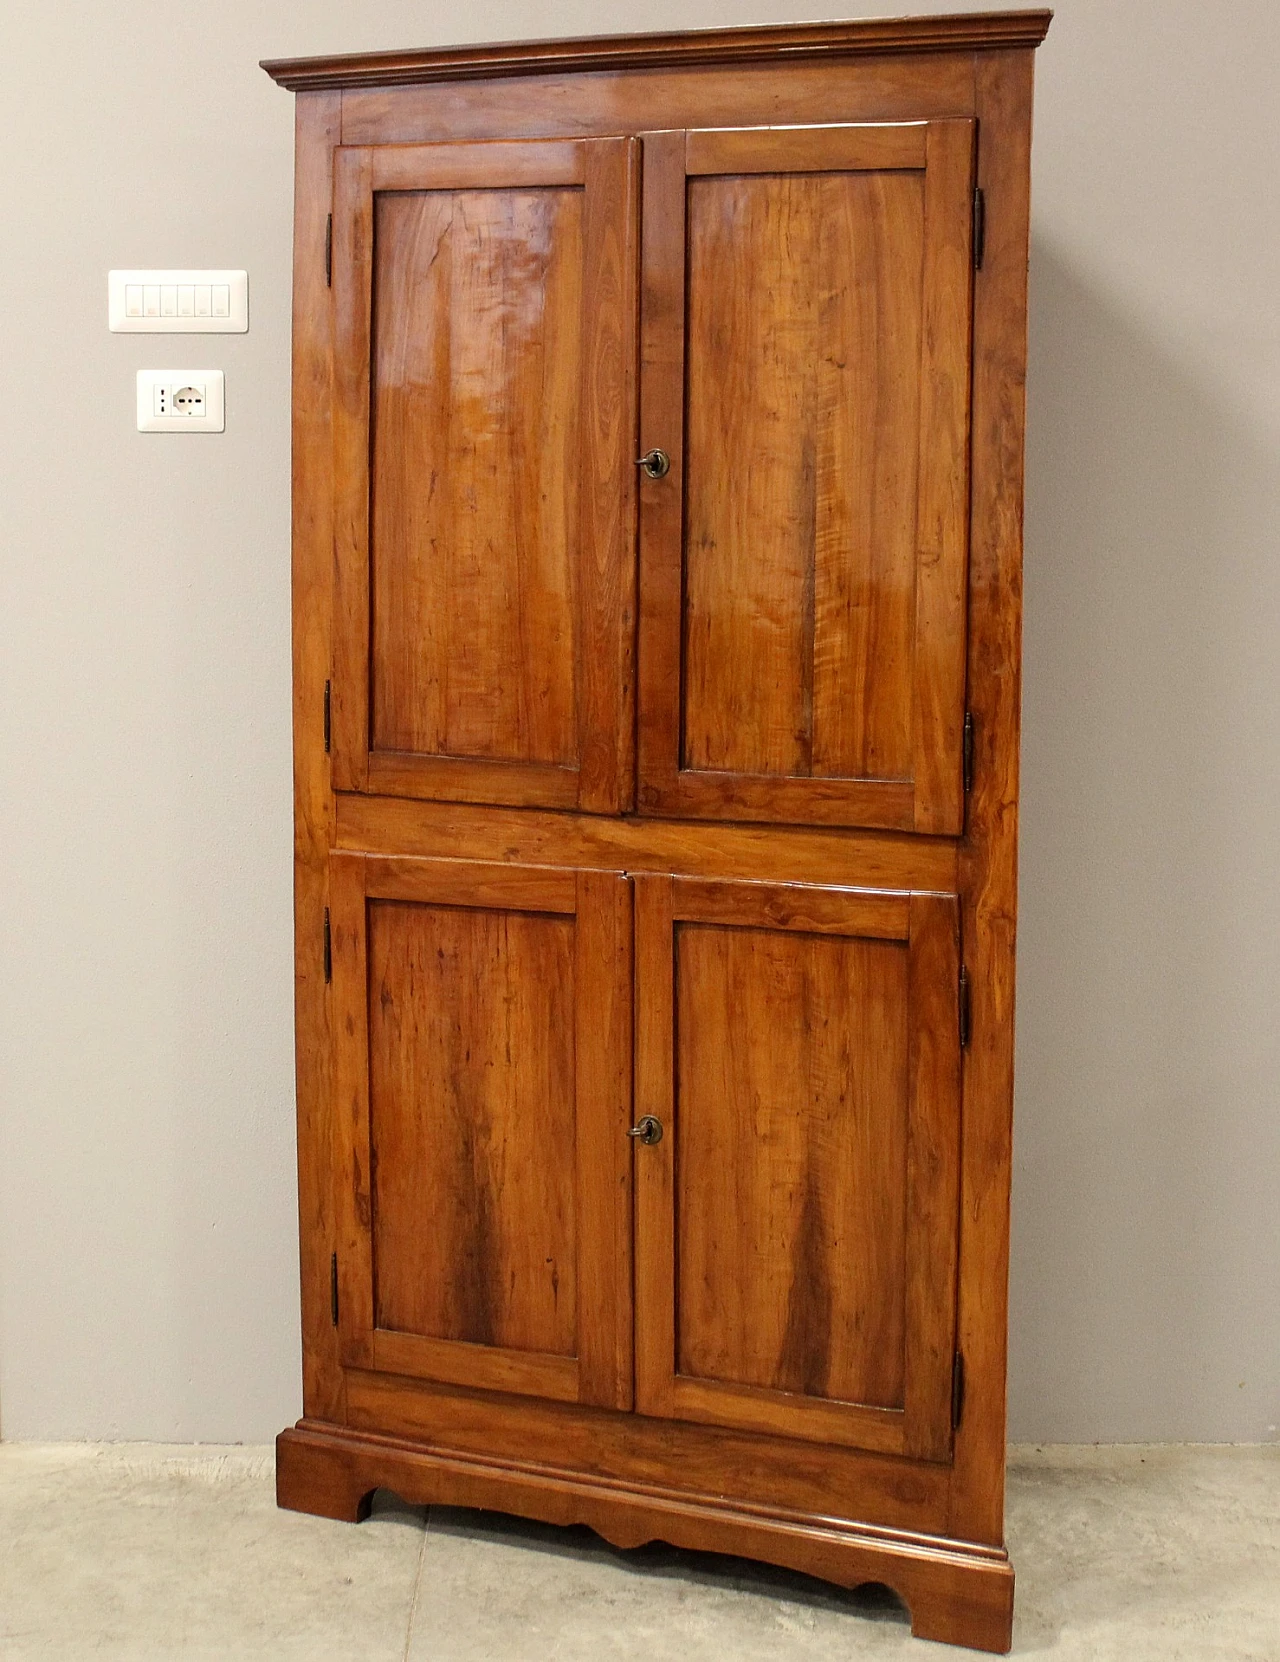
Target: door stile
{"x": 352, "y": 1154}
{"x": 352, "y": 296}
{"x": 655, "y": 1266}
{"x": 662, "y": 421}
{"x": 933, "y": 1172}
{"x": 608, "y": 506}
{"x": 942, "y": 512}
{"x": 603, "y": 1065}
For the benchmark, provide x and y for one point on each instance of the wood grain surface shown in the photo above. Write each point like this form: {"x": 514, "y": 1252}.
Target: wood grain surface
{"x": 483, "y": 472}
{"x": 791, "y": 1093}
{"x": 894, "y": 35}
{"x": 796, "y": 1232}
{"x": 802, "y": 620}
{"x": 483, "y": 1063}
{"x": 956, "y": 1594}
{"x": 787, "y": 854}
{"x": 803, "y": 399}
{"x": 786, "y": 92}
{"x": 646, "y": 795}
{"x": 471, "y": 1125}
{"x": 476, "y": 343}
{"x": 318, "y": 122}
{"x": 989, "y": 851}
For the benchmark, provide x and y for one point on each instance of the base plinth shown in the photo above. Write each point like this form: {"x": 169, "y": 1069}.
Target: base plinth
{"x": 957, "y": 1593}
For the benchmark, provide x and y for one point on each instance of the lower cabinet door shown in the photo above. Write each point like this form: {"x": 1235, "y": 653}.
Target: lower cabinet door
{"x": 796, "y": 1222}
{"x": 482, "y": 1084}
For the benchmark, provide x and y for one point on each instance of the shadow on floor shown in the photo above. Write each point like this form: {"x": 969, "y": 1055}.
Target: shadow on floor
{"x": 721, "y": 1571}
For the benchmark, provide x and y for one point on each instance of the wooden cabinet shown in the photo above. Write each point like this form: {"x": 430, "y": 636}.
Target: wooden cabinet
{"x": 657, "y": 561}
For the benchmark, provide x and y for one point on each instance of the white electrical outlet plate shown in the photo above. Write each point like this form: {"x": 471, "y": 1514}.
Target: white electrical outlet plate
{"x": 178, "y": 302}
{"x": 180, "y": 401}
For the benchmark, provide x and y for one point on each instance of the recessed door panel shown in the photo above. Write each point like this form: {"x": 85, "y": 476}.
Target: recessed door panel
{"x": 471, "y": 1125}
{"x": 483, "y": 1083}
{"x": 791, "y": 1146}
{"x": 477, "y": 307}
{"x": 484, "y": 381}
{"x": 806, "y": 364}
{"x": 802, "y": 441}
{"x": 796, "y": 1223}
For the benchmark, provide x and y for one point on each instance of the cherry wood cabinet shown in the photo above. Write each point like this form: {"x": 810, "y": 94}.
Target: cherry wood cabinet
{"x": 657, "y": 559}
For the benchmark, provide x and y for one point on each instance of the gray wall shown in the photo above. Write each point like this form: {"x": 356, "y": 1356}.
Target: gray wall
{"x": 148, "y": 1269}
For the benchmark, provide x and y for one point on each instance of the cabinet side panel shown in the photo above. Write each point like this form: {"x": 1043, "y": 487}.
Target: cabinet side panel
{"x": 317, "y": 131}
{"x": 988, "y": 856}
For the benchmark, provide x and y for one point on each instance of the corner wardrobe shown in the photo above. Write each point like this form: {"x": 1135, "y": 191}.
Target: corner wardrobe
{"x": 657, "y": 547}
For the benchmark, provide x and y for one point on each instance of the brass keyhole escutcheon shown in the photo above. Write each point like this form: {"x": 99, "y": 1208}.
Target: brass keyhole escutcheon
{"x": 647, "y": 1129}
{"x": 656, "y": 464}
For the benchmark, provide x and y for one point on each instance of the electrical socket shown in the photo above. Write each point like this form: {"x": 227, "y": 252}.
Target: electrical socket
{"x": 180, "y": 401}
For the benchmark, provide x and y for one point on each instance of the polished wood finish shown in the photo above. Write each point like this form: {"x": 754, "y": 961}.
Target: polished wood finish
{"x": 540, "y": 880}
{"x": 870, "y": 860}
{"x": 796, "y": 1226}
{"x": 806, "y": 297}
{"x": 962, "y": 32}
{"x": 955, "y": 1597}
{"x": 318, "y": 130}
{"x": 988, "y": 853}
{"x": 483, "y": 471}
{"x": 482, "y": 1069}
{"x": 700, "y": 95}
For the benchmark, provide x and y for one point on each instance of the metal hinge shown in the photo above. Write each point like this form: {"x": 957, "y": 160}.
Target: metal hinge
{"x": 328, "y": 710}
{"x": 328, "y": 948}
{"x": 964, "y": 1008}
{"x": 333, "y": 1288}
{"x": 979, "y": 227}
{"x": 328, "y": 252}
{"x": 966, "y": 751}
{"x": 957, "y": 1388}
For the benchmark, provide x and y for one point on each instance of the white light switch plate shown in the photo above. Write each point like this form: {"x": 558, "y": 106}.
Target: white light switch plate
{"x": 178, "y": 302}
{"x": 180, "y": 401}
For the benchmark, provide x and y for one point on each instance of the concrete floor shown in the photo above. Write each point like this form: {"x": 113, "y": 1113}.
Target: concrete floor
{"x": 143, "y": 1552}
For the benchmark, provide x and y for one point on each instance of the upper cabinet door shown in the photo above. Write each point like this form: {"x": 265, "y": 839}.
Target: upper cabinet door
{"x": 484, "y": 424}
{"x": 805, "y": 345}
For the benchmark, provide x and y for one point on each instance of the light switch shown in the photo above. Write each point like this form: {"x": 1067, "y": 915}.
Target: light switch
{"x": 183, "y": 302}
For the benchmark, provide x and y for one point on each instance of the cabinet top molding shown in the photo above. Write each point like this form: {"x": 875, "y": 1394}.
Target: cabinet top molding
{"x": 966, "y": 31}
